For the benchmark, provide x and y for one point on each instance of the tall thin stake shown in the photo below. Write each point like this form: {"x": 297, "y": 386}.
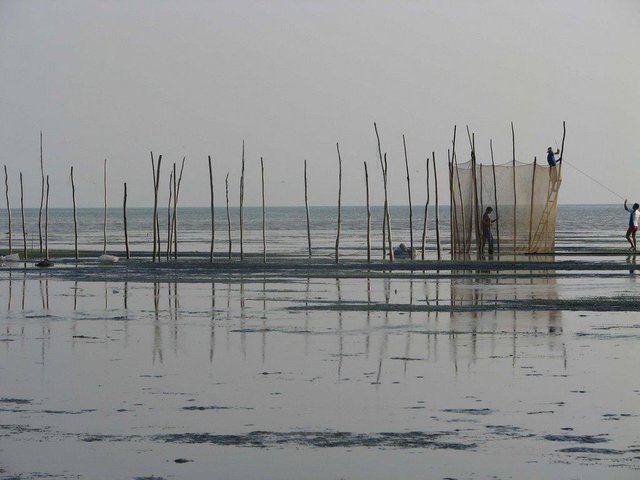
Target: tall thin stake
{"x": 176, "y": 194}
{"x": 242, "y": 205}
{"x": 515, "y": 201}
{"x": 435, "y": 177}
{"x": 24, "y": 230}
{"x": 46, "y": 222}
{"x": 406, "y": 164}
{"x": 386, "y": 169}
{"x": 169, "y": 222}
{"x": 306, "y": 205}
{"x": 155, "y": 207}
{"x": 226, "y": 183}
{"x": 42, "y": 185}
{"x": 75, "y": 215}
{"x": 264, "y": 217}
{"x": 426, "y": 214}
{"x": 339, "y": 203}
{"x": 495, "y": 195}
{"x": 384, "y": 181}
{"x": 104, "y": 224}
{"x": 366, "y": 182}
{"x": 6, "y": 192}
{"x": 124, "y": 221}
{"x": 213, "y": 223}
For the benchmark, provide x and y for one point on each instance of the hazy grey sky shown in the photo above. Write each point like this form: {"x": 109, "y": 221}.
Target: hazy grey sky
{"x": 117, "y": 79}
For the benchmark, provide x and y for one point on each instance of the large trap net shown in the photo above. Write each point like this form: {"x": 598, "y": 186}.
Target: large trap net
{"x": 524, "y": 201}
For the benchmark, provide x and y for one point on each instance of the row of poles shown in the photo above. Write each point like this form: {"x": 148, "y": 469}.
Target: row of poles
{"x": 175, "y": 180}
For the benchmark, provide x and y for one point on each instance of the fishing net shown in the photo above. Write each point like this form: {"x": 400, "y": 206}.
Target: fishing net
{"x": 524, "y": 201}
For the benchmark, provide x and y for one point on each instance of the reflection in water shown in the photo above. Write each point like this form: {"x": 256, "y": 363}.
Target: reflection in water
{"x": 480, "y": 289}
{"x": 393, "y": 311}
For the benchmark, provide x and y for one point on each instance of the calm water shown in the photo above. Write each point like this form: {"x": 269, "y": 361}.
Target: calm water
{"x": 244, "y": 375}
{"x": 577, "y": 225}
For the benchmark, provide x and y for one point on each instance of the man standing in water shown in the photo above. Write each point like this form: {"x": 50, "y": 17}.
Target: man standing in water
{"x": 486, "y": 230}
{"x": 634, "y": 216}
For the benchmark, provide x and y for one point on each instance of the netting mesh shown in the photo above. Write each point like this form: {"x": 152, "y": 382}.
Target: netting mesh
{"x": 524, "y": 200}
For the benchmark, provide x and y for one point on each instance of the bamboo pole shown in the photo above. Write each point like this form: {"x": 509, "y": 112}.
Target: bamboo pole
{"x": 306, "y": 204}
{"x": 426, "y": 215}
{"x": 386, "y": 169}
{"x": 24, "y": 231}
{"x": 495, "y": 195}
{"x": 339, "y": 203}
{"x": 157, "y": 219}
{"x": 104, "y": 223}
{"x": 46, "y": 222}
{"x": 75, "y": 215}
{"x": 533, "y": 188}
{"x": 226, "y": 183}
{"x": 169, "y": 214}
{"x": 515, "y": 201}
{"x": 384, "y": 181}
{"x": 42, "y": 184}
{"x": 6, "y": 192}
{"x": 124, "y": 220}
{"x": 176, "y": 194}
{"x": 462, "y": 213}
{"x": 366, "y": 181}
{"x": 406, "y": 164}
{"x": 242, "y": 206}
{"x": 264, "y": 218}
{"x": 156, "y": 226}
{"x": 174, "y": 216}
{"x": 435, "y": 178}
{"x": 213, "y": 224}
{"x": 564, "y": 132}
{"x": 452, "y": 205}
{"x": 476, "y": 202}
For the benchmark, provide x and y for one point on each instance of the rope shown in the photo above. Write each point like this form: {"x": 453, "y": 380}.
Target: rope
{"x": 593, "y": 179}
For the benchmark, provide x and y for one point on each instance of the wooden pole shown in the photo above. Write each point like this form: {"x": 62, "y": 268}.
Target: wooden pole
{"x": 515, "y": 200}
{"x": 264, "y": 217}
{"x": 495, "y": 195}
{"x": 306, "y": 205}
{"x": 156, "y": 223}
{"x": 46, "y": 222}
{"x": 366, "y": 181}
{"x": 452, "y": 206}
{"x": 176, "y": 194}
{"x": 6, "y": 192}
{"x": 155, "y": 207}
{"x": 385, "y": 215}
{"x": 226, "y": 183}
{"x": 435, "y": 178}
{"x": 169, "y": 214}
{"x": 213, "y": 224}
{"x": 533, "y": 188}
{"x": 406, "y": 164}
{"x": 24, "y": 231}
{"x": 564, "y": 132}
{"x": 75, "y": 215}
{"x": 104, "y": 223}
{"x": 476, "y": 202}
{"x": 42, "y": 185}
{"x": 124, "y": 220}
{"x": 242, "y": 206}
{"x": 339, "y": 203}
{"x": 388, "y": 212}
{"x": 462, "y": 213}
{"x": 426, "y": 214}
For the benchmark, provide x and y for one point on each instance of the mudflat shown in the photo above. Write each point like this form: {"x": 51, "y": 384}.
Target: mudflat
{"x": 499, "y": 368}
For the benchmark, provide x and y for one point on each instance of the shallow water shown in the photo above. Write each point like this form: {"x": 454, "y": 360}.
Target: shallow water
{"x": 287, "y": 377}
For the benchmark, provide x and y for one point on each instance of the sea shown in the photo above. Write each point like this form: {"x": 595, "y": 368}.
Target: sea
{"x": 197, "y": 370}
{"x": 587, "y": 226}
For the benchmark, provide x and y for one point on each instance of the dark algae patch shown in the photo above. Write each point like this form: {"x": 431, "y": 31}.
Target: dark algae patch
{"x": 322, "y": 439}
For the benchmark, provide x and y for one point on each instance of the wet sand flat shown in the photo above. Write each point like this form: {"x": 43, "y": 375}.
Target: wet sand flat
{"x": 183, "y": 371}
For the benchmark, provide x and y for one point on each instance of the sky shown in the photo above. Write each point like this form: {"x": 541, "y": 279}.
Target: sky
{"x": 116, "y": 80}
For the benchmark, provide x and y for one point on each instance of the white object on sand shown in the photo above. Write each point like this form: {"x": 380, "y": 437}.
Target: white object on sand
{"x": 107, "y": 258}
{"x": 14, "y": 257}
